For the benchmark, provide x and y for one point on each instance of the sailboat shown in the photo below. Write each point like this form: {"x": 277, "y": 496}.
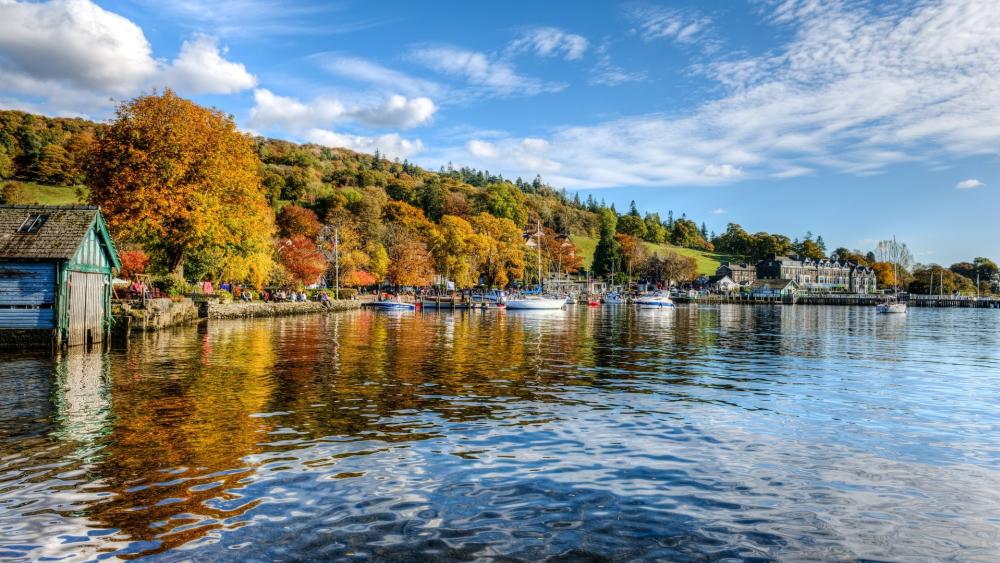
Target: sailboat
{"x": 537, "y": 301}
{"x": 893, "y": 306}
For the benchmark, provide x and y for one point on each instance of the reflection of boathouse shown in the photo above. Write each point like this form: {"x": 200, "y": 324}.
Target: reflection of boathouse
{"x": 56, "y": 267}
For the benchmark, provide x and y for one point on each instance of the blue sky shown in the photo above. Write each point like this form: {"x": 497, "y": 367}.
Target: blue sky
{"x": 853, "y": 120}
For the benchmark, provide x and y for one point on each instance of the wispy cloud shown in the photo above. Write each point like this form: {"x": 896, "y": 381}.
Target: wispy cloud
{"x": 718, "y": 211}
{"x": 969, "y": 184}
{"x": 549, "y": 42}
{"x": 853, "y": 91}
{"x": 370, "y": 72}
{"x": 653, "y": 22}
{"x": 260, "y": 18}
{"x": 607, "y": 73}
{"x": 489, "y": 74}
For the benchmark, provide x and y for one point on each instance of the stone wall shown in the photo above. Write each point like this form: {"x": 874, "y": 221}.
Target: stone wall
{"x": 241, "y": 310}
{"x": 157, "y": 314}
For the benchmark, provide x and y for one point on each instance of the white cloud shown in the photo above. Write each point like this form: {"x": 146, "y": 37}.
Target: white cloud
{"x": 75, "y": 43}
{"x": 853, "y": 91}
{"x": 271, "y": 111}
{"x": 969, "y": 184}
{"x": 718, "y": 211}
{"x": 370, "y": 72}
{"x": 491, "y": 75}
{"x": 200, "y": 69}
{"x": 722, "y": 171}
{"x": 274, "y": 112}
{"x": 391, "y": 145}
{"x": 72, "y": 55}
{"x": 550, "y": 42}
{"x": 397, "y": 111}
{"x": 655, "y": 22}
{"x": 525, "y": 155}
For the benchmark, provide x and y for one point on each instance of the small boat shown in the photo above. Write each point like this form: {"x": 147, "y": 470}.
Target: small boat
{"x": 536, "y": 303}
{"x": 593, "y": 301}
{"x": 658, "y": 300}
{"x": 392, "y": 305}
{"x": 569, "y": 300}
{"x": 614, "y": 298}
{"x": 891, "y": 307}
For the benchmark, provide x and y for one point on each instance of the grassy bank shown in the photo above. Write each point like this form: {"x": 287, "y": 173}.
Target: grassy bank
{"x": 32, "y": 193}
{"x": 707, "y": 261}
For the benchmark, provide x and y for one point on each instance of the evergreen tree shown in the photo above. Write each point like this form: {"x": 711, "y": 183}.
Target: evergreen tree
{"x": 670, "y": 219}
{"x": 607, "y": 255}
{"x": 633, "y": 210}
{"x": 704, "y": 231}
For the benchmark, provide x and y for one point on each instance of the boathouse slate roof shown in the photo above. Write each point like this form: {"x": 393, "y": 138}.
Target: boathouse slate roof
{"x": 57, "y": 239}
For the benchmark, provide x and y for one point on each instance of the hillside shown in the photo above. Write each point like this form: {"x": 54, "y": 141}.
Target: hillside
{"x": 44, "y": 160}
{"x": 708, "y": 262}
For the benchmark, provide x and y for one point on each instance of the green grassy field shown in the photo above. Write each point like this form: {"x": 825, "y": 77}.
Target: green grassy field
{"x": 707, "y": 262}
{"x": 50, "y": 195}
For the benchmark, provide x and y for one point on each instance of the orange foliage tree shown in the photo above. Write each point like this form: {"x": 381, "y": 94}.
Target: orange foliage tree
{"x": 133, "y": 262}
{"x": 180, "y": 178}
{"x": 410, "y": 263}
{"x": 297, "y": 220}
{"x": 303, "y": 261}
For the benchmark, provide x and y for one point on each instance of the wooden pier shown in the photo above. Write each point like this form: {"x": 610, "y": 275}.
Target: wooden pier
{"x": 848, "y": 299}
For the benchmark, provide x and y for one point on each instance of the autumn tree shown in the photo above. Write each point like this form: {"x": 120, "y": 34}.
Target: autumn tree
{"x": 133, "y": 262}
{"x": 633, "y": 252}
{"x": 504, "y": 252}
{"x": 458, "y": 250}
{"x": 297, "y": 220}
{"x": 410, "y": 264}
{"x": 179, "y": 177}
{"x": 303, "y": 261}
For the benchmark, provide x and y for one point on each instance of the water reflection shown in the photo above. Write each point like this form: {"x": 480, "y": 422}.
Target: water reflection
{"x": 703, "y": 432}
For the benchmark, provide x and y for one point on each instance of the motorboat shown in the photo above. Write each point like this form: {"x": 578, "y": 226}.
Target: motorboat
{"x": 614, "y": 298}
{"x": 536, "y": 302}
{"x": 392, "y": 305}
{"x": 658, "y": 300}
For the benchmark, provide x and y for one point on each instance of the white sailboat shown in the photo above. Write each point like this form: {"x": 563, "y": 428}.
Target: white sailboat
{"x": 893, "y": 306}
{"x": 537, "y": 302}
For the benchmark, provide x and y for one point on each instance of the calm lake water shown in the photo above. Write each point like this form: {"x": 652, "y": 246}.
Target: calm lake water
{"x": 727, "y": 432}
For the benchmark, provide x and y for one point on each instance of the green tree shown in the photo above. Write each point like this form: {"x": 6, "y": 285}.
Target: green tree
{"x": 633, "y": 226}
{"x": 607, "y": 255}
{"x": 504, "y": 200}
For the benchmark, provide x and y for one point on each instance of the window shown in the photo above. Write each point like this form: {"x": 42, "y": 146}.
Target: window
{"x": 34, "y": 222}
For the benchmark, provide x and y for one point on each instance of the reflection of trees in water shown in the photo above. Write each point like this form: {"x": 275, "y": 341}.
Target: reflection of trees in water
{"x": 187, "y": 403}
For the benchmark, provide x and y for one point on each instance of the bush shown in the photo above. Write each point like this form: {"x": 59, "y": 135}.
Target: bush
{"x": 15, "y": 193}
{"x": 224, "y": 296}
{"x": 173, "y": 285}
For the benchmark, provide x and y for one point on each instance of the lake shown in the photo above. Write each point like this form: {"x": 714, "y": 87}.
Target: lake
{"x": 722, "y": 433}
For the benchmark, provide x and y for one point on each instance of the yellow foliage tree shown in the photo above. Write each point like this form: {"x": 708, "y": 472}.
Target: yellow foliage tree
{"x": 179, "y": 177}
{"x": 458, "y": 250}
{"x": 503, "y": 249}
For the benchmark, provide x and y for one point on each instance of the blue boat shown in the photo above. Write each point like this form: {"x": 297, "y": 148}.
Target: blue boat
{"x": 392, "y": 306}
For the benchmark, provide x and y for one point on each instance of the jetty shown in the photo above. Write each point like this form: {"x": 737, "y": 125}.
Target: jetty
{"x": 847, "y": 299}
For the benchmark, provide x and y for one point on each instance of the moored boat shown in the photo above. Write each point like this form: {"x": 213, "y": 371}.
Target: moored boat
{"x": 614, "y": 298}
{"x": 658, "y": 300}
{"x": 536, "y": 302}
{"x": 891, "y": 307}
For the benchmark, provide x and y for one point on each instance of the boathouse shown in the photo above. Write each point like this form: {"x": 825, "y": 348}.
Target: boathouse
{"x": 56, "y": 267}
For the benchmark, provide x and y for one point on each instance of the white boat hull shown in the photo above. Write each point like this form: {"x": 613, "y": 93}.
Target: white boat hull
{"x": 537, "y": 304}
{"x": 891, "y": 308}
{"x": 655, "y": 304}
